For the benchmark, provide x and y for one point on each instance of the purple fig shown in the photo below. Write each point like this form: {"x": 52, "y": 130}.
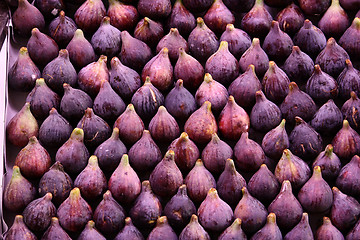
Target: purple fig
{"x": 347, "y": 178}
{"x": 181, "y": 18}
{"x": 243, "y": 6}
{"x": 62, "y": 29}
{"x": 163, "y": 127}
{"x": 89, "y": 15}
{"x": 234, "y": 231}
{"x": 348, "y": 81}
{"x": 328, "y": 119}
{"x": 154, "y": 9}
{"x": 278, "y": 3}
{"x": 302, "y": 230}
{"x": 162, "y": 230}
{"x": 349, "y": 4}
{"x": 50, "y": 8}
{"x": 129, "y": 232}
{"x": 90, "y": 232}
{"x": 312, "y": 7}
{"x": 290, "y": 19}
{"x": 237, "y": 39}
{"x": 346, "y": 142}
{"x": 55, "y": 231}
{"x": 194, "y": 230}
{"x": 149, "y": 31}
{"x": 354, "y": 232}
{"x": 329, "y": 163}
{"x": 26, "y": 17}
{"x": 173, "y": 41}
{"x": 122, "y": 16}
{"x": 276, "y": 141}
{"x": 19, "y": 230}
{"x": 218, "y": 16}
{"x": 353, "y": 32}
{"x": 197, "y": 6}
{"x": 328, "y": 231}
{"x": 351, "y": 109}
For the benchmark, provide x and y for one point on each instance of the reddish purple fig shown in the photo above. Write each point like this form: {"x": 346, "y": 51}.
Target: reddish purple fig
{"x": 90, "y": 232}
{"x": 194, "y": 230}
{"x": 237, "y": 39}
{"x": 354, "y": 232}
{"x": 129, "y": 232}
{"x": 348, "y": 80}
{"x": 162, "y": 230}
{"x": 276, "y": 141}
{"x": 346, "y": 142}
{"x": 89, "y": 15}
{"x": 55, "y": 231}
{"x": 328, "y": 231}
{"x": 26, "y": 17}
{"x": 19, "y": 230}
{"x": 62, "y": 29}
{"x": 353, "y": 32}
{"x": 122, "y": 16}
{"x": 149, "y": 31}
{"x": 243, "y": 6}
{"x": 218, "y": 16}
{"x": 328, "y": 119}
{"x": 351, "y": 109}
{"x": 347, "y": 178}
{"x": 156, "y": 9}
{"x": 290, "y": 19}
{"x": 173, "y": 41}
{"x": 329, "y": 163}
{"x": 302, "y": 230}
{"x": 312, "y": 7}
{"x": 163, "y": 127}
{"x": 349, "y": 4}
{"x": 181, "y": 18}
{"x": 234, "y": 231}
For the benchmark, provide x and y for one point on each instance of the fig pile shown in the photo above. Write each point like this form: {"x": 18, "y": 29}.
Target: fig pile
{"x": 185, "y": 119}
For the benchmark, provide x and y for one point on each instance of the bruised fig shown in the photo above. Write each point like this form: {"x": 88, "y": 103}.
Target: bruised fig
{"x": 257, "y": 21}
{"x": 198, "y": 181}
{"x": 80, "y": 50}
{"x": 328, "y": 231}
{"x": 129, "y": 232}
{"x": 347, "y": 39}
{"x": 122, "y": 16}
{"x": 287, "y": 208}
{"x": 237, "y": 39}
{"x": 290, "y": 19}
{"x": 91, "y": 181}
{"x": 348, "y": 81}
{"x": 23, "y": 73}
{"x": 90, "y": 76}
{"x": 89, "y": 15}
{"x": 62, "y": 29}
{"x": 186, "y": 152}
{"x": 179, "y": 208}
{"x": 312, "y": 7}
{"x": 90, "y": 232}
{"x": 129, "y": 117}
{"x": 19, "y": 192}
{"x": 189, "y": 70}
{"x": 42, "y": 48}
{"x": 154, "y": 9}
{"x": 19, "y": 230}
{"x": 347, "y": 178}
{"x": 109, "y": 216}
{"x": 74, "y": 212}
{"x": 234, "y": 231}
{"x": 222, "y": 65}
{"x": 162, "y": 230}
{"x": 194, "y": 230}
{"x": 106, "y": 40}
{"x": 202, "y": 41}
{"x": 248, "y": 154}
{"x": 149, "y": 31}
{"x": 173, "y": 41}
{"x": 256, "y": 56}
{"x": 264, "y": 181}
{"x": 110, "y": 152}
{"x": 163, "y": 127}
{"x": 73, "y": 154}
{"x": 351, "y": 111}
{"x": 181, "y": 18}
{"x": 124, "y": 183}
{"x": 60, "y": 71}
{"x": 328, "y": 118}
{"x": 38, "y": 214}
{"x": 276, "y": 141}
{"x": 134, "y": 52}
{"x": 57, "y": 182}
{"x": 218, "y": 16}
{"x": 201, "y": 124}
{"x": 265, "y": 115}
{"x": 214, "y": 214}
{"x": 297, "y": 103}
{"x": 293, "y": 169}
{"x": 329, "y": 163}
{"x": 107, "y": 103}
{"x": 22, "y": 126}
{"x": 251, "y": 212}
{"x": 55, "y": 231}
{"x": 346, "y": 142}
{"x": 26, "y": 17}
{"x": 33, "y": 160}
{"x": 230, "y": 183}
{"x": 302, "y": 230}
{"x": 146, "y": 208}
{"x": 159, "y": 70}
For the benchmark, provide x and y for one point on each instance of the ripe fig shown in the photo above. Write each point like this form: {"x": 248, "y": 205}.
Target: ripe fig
{"x": 149, "y": 31}
{"x": 157, "y": 9}
{"x": 354, "y": 232}
{"x": 90, "y": 232}
{"x": 122, "y": 16}
{"x": 290, "y": 19}
{"x": 347, "y": 179}
{"x": 55, "y": 231}
{"x": 328, "y": 119}
{"x": 218, "y": 16}
{"x": 302, "y": 230}
{"x": 173, "y": 41}
{"x": 328, "y": 231}
{"x": 162, "y": 230}
{"x": 163, "y": 127}
{"x": 237, "y": 39}
{"x": 346, "y": 142}
{"x": 243, "y": 6}
{"x": 329, "y": 163}
{"x": 351, "y": 109}
{"x": 353, "y": 32}
{"x": 50, "y": 8}
{"x": 348, "y": 81}
{"x": 194, "y": 230}
{"x": 312, "y": 7}
{"x": 89, "y": 15}
{"x": 269, "y": 231}
{"x": 197, "y": 6}
{"x": 62, "y": 29}
{"x": 129, "y": 232}
{"x": 181, "y": 18}
{"x": 276, "y": 141}
{"x": 234, "y": 231}
{"x": 349, "y": 4}
{"x": 19, "y": 230}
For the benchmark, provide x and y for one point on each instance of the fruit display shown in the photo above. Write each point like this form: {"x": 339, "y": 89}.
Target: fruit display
{"x": 183, "y": 119}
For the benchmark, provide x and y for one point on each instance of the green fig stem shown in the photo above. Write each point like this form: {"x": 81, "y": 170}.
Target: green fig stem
{"x": 77, "y": 134}
{"x": 102, "y": 59}
{"x": 326, "y": 221}
{"x": 293, "y": 87}
{"x": 255, "y": 42}
{"x": 335, "y": 191}
{"x": 305, "y": 218}
{"x": 48, "y": 197}
{"x": 130, "y": 107}
{"x": 236, "y": 225}
{"x": 330, "y": 42}
{"x": 307, "y": 24}
{"x": 161, "y": 221}
{"x": 174, "y": 32}
{"x": 317, "y": 172}
{"x": 40, "y": 82}
{"x": 286, "y": 186}
{"x": 212, "y": 194}
{"x": 75, "y": 194}
{"x": 207, "y": 106}
{"x": 63, "y": 53}
{"x": 107, "y": 195}
{"x": 164, "y": 51}
{"x": 93, "y": 162}
{"x": 79, "y": 34}
{"x": 115, "y": 134}
{"x": 23, "y": 52}
{"x": 33, "y": 140}
{"x": 245, "y": 192}
{"x": 146, "y": 187}
{"x": 146, "y": 21}
{"x": 54, "y": 221}
{"x": 169, "y": 156}
{"x": 348, "y": 64}
{"x": 224, "y": 46}
{"x": 335, "y": 3}
{"x": 34, "y": 31}
{"x": 128, "y": 221}
{"x": 200, "y": 22}
{"x": 179, "y": 84}
{"x": 215, "y": 138}
{"x": 62, "y": 16}
{"x": 199, "y": 163}
{"x": 356, "y": 23}
{"x": 329, "y": 150}
{"x": 299, "y": 120}
{"x": 182, "y": 190}
{"x": 230, "y": 166}
{"x": 147, "y": 80}
{"x": 125, "y": 160}
{"x": 272, "y": 66}
{"x": 90, "y": 224}
{"x": 184, "y": 137}
{"x": 194, "y": 219}
{"x": 105, "y": 20}
{"x": 296, "y": 50}
{"x": 251, "y": 67}
{"x": 282, "y": 124}
{"x": 271, "y": 218}
{"x": 353, "y": 96}
{"x": 346, "y": 124}
{"x": 259, "y": 3}
{"x": 19, "y": 219}
{"x": 208, "y": 78}
{"x": 16, "y": 174}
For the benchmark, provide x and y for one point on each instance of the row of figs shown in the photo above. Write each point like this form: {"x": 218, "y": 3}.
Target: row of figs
{"x": 184, "y": 119}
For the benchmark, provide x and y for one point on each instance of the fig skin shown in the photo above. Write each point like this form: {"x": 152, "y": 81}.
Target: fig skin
{"x": 129, "y": 231}
{"x": 73, "y": 154}
{"x": 181, "y": 18}
{"x": 19, "y": 192}
{"x": 124, "y": 184}
{"x": 311, "y": 7}
{"x": 22, "y": 126}
{"x": 173, "y": 41}
{"x": 251, "y": 211}
{"x": 80, "y": 50}
{"x": 347, "y": 181}
{"x": 348, "y": 81}
{"x": 349, "y": 4}
{"x": 162, "y": 230}
{"x": 129, "y": 117}
{"x": 353, "y": 234}
{"x": 50, "y": 8}
{"x": 346, "y": 142}
{"x": 89, "y": 15}
{"x": 329, "y": 163}
{"x": 243, "y": 6}
{"x": 197, "y": 6}
{"x": 149, "y": 31}
{"x": 350, "y": 111}
{"x": 90, "y": 232}
{"x": 158, "y": 9}
{"x": 302, "y": 230}
{"x": 328, "y": 119}
{"x": 57, "y": 182}
{"x": 328, "y": 231}
{"x": 353, "y": 32}
{"x": 74, "y": 212}
{"x": 19, "y": 230}
{"x": 238, "y": 40}
{"x": 62, "y": 29}
{"x": 290, "y": 19}
{"x": 276, "y": 141}
{"x": 26, "y": 17}
{"x": 106, "y": 40}
{"x": 38, "y": 214}
{"x": 234, "y": 231}
{"x": 23, "y": 73}
{"x": 198, "y": 182}
{"x": 218, "y": 16}
{"x": 269, "y": 231}
{"x": 55, "y": 231}
{"x": 122, "y": 16}
{"x": 163, "y": 127}
{"x": 194, "y": 230}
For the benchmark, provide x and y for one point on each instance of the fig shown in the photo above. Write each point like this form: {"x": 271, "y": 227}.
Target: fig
{"x": 173, "y": 41}
{"x": 50, "y": 8}
{"x": 162, "y": 230}
{"x": 149, "y": 31}
{"x": 110, "y": 152}
{"x": 265, "y": 115}
{"x": 19, "y": 230}
{"x": 269, "y": 231}
{"x": 238, "y": 40}
{"x": 353, "y": 32}
{"x": 81, "y": 52}
{"x": 163, "y": 127}
{"x": 22, "y": 126}
{"x": 276, "y": 141}
{"x": 73, "y": 154}
{"x": 347, "y": 179}
{"x": 312, "y": 7}
{"x": 90, "y": 232}
{"x": 194, "y": 230}
{"x": 349, "y": 4}
{"x": 181, "y": 18}
{"x": 158, "y": 9}
{"x": 243, "y": 6}
{"x": 74, "y": 212}
{"x": 329, "y": 163}
{"x": 57, "y": 182}
{"x": 234, "y": 231}
{"x": 124, "y": 183}
{"x": 23, "y": 73}
{"x": 62, "y": 29}
{"x": 218, "y": 16}
{"x": 354, "y": 232}
{"x": 302, "y": 230}
{"x": 201, "y": 124}
{"x": 197, "y": 6}
{"x": 38, "y": 214}
{"x": 351, "y": 109}
{"x": 290, "y": 19}
{"x": 55, "y": 231}
{"x": 199, "y": 181}
{"x": 89, "y": 15}
{"x": 328, "y": 119}
{"x": 106, "y": 40}
{"x": 122, "y": 16}
{"x": 129, "y": 231}
{"x": 348, "y": 80}
{"x": 278, "y": 3}
{"x": 328, "y": 230}
{"x": 26, "y": 17}
{"x": 251, "y": 212}
{"x": 346, "y": 142}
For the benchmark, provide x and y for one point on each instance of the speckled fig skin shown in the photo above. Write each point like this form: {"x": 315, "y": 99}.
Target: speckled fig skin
{"x": 251, "y": 211}
{"x": 90, "y": 232}
{"x": 173, "y": 41}
{"x": 179, "y": 209}
{"x": 346, "y": 142}
{"x": 351, "y": 109}
{"x": 122, "y": 16}
{"x": 129, "y": 231}
{"x": 218, "y": 16}
{"x": 234, "y": 231}
{"x": 23, "y": 73}
{"x": 348, "y": 81}
{"x": 89, "y": 15}
{"x": 181, "y": 18}
{"x": 186, "y": 152}
{"x": 55, "y": 231}
{"x": 328, "y": 231}
{"x": 353, "y": 32}
{"x": 290, "y": 19}
{"x": 124, "y": 184}
{"x": 312, "y": 7}
{"x": 129, "y": 116}
{"x": 237, "y": 39}
{"x": 328, "y": 119}
{"x": 347, "y": 180}
{"x": 109, "y": 216}
{"x": 157, "y": 9}
{"x": 149, "y": 31}
{"x": 163, "y": 127}
{"x": 57, "y": 182}
{"x": 302, "y": 230}
{"x": 162, "y": 230}
{"x": 22, "y": 126}
{"x": 19, "y": 192}
{"x": 270, "y": 229}
{"x": 38, "y": 214}
{"x": 329, "y": 163}
{"x": 73, "y": 154}
{"x": 19, "y": 230}
{"x": 62, "y": 29}
{"x": 194, "y": 230}
{"x": 276, "y": 141}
